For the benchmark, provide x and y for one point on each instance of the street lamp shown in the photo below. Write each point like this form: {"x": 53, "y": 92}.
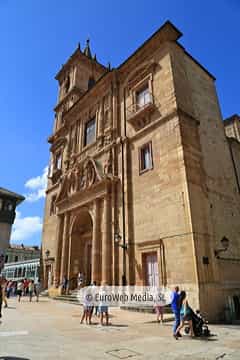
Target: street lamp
{"x": 225, "y": 245}
{"x": 117, "y": 239}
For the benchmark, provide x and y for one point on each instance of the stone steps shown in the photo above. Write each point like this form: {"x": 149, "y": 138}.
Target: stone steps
{"x": 146, "y": 309}
{"x": 71, "y": 298}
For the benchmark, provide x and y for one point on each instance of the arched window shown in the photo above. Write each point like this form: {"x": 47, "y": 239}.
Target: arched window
{"x": 91, "y": 82}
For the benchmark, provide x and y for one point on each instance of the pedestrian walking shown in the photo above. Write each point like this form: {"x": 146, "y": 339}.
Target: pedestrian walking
{"x": 20, "y": 287}
{"x": 30, "y": 290}
{"x": 80, "y": 280}
{"x": 159, "y": 303}
{"x": 4, "y": 290}
{"x": 103, "y": 306}
{"x": 65, "y": 284}
{"x": 87, "y": 308}
{"x": 185, "y": 314}
{"x": 37, "y": 290}
{"x": 1, "y": 297}
{"x": 25, "y": 286}
{"x": 94, "y": 287}
{"x": 9, "y": 288}
{"x": 175, "y": 306}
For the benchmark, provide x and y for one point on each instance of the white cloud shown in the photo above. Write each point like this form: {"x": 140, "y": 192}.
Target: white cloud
{"x": 25, "y": 227}
{"x": 37, "y": 186}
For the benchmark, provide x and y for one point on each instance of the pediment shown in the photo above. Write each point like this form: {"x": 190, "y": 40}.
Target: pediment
{"x": 140, "y": 72}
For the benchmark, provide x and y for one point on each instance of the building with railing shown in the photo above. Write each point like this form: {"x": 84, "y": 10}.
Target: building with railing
{"x": 28, "y": 269}
{"x": 142, "y": 186}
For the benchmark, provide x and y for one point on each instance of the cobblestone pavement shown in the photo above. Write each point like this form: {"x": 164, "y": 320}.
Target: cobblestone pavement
{"x": 52, "y": 330}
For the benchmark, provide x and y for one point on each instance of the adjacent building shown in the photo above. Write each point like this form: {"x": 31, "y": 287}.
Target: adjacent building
{"x": 23, "y": 269}
{"x": 8, "y": 203}
{"x": 15, "y": 253}
{"x": 143, "y": 183}
{"x": 22, "y": 262}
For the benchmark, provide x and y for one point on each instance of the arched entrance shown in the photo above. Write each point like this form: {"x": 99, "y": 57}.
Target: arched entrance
{"x": 81, "y": 248}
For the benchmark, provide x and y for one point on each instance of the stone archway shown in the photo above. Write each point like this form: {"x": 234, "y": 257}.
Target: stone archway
{"x": 81, "y": 248}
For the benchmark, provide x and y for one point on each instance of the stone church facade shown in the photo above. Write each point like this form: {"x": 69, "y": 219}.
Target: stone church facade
{"x": 142, "y": 185}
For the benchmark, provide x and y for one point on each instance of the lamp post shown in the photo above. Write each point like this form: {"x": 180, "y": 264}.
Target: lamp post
{"x": 117, "y": 239}
{"x": 47, "y": 253}
{"x": 225, "y": 246}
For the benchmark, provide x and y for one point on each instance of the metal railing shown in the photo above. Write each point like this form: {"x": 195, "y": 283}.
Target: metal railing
{"x": 146, "y": 101}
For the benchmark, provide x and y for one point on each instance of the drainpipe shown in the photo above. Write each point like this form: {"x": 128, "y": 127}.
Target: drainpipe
{"x": 234, "y": 164}
{"x": 124, "y": 278}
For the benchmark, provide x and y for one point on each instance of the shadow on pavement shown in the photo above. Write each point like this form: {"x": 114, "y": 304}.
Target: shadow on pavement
{"x": 165, "y": 322}
{"x": 10, "y": 307}
{"x": 12, "y": 358}
{"x": 118, "y": 325}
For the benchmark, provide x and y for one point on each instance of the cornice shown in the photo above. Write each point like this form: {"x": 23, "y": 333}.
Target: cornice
{"x": 176, "y": 112}
{"x": 72, "y": 91}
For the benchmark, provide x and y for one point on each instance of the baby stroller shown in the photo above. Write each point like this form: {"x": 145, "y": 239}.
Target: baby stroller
{"x": 200, "y": 327}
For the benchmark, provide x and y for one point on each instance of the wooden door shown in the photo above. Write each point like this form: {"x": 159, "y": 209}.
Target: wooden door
{"x": 151, "y": 269}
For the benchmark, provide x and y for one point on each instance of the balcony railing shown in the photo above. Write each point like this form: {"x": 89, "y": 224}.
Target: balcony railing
{"x": 140, "y": 108}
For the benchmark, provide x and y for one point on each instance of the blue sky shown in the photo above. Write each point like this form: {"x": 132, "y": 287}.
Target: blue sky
{"x": 38, "y": 36}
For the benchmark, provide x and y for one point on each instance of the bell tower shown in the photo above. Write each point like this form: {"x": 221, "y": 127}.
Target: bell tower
{"x": 75, "y": 78}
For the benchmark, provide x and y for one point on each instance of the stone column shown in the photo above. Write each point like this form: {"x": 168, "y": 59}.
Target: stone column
{"x": 65, "y": 243}
{"x": 96, "y": 251}
{"x": 106, "y": 241}
{"x": 59, "y": 235}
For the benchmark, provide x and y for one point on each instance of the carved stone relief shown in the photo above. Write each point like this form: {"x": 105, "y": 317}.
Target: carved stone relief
{"x": 81, "y": 176}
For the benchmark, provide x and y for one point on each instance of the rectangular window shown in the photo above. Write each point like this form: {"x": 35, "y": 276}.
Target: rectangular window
{"x": 53, "y": 205}
{"x": 89, "y": 133}
{"x": 58, "y": 161}
{"x": 143, "y": 97}
{"x": 145, "y": 160}
{"x": 16, "y": 258}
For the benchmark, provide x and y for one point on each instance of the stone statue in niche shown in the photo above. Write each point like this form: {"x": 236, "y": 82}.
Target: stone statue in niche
{"x": 72, "y": 183}
{"x": 89, "y": 174}
{"x": 108, "y": 167}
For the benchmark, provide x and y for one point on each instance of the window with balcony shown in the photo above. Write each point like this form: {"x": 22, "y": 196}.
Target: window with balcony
{"x": 145, "y": 158}
{"x": 141, "y": 104}
{"x": 90, "y": 132}
{"x": 143, "y": 97}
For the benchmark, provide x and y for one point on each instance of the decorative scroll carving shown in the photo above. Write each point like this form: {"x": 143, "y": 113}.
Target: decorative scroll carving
{"x": 59, "y": 143}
